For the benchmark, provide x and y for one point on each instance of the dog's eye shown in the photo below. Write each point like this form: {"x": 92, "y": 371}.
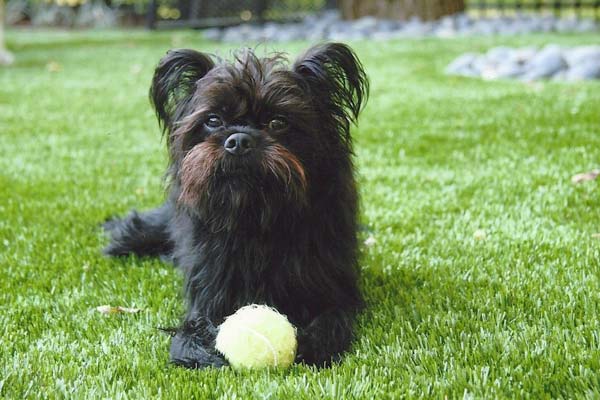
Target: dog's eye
{"x": 214, "y": 121}
{"x": 277, "y": 124}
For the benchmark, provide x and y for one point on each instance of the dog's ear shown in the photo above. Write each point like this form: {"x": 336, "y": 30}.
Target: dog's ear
{"x": 336, "y": 80}
{"x": 174, "y": 83}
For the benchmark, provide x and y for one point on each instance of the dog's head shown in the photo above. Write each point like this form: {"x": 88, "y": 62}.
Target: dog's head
{"x": 249, "y": 136}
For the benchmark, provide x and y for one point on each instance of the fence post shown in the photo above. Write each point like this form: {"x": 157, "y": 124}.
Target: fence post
{"x": 151, "y": 17}
{"x": 330, "y": 4}
{"x": 557, "y": 6}
{"x": 260, "y": 6}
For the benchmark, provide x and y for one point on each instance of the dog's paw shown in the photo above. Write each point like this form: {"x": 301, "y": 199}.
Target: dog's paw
{"x": 193, "y": 345}
{"x": 187, "y": 351}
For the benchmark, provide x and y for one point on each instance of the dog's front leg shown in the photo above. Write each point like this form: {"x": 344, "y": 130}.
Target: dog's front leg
{"x": 193, "y": 345}
{"x": 326, "y": 338}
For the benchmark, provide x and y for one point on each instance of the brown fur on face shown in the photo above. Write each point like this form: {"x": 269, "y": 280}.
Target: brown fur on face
{"x": 205, "y": 159}
{"x": 196, "y": 169}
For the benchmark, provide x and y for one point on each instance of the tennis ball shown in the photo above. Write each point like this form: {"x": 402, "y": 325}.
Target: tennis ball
{"x": 257, "y": 336}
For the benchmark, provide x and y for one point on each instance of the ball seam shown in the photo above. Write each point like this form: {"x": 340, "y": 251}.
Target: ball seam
{"x": 264, "y": 339}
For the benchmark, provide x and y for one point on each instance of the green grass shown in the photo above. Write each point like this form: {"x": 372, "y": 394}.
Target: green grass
{"x": 514, "y": 315}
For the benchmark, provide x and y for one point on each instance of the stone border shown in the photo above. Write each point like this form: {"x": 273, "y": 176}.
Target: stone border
{"x": 530, "y": 63}
{"x": 329, "y": 26}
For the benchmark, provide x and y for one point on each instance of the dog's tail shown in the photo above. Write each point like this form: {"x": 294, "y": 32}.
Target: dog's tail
{"x": 141, "y": 234}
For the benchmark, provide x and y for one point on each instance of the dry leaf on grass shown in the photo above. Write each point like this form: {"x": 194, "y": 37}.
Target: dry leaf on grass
{"x": 53, "y": 66}
{"x": 480, "y": 234}
{"x": 370, "y": 241}
{"x": 586, "y": 176}
{"x": 116, "y": 310}
{"x": 596, "y": 235}
{"x": 135, "y": 69}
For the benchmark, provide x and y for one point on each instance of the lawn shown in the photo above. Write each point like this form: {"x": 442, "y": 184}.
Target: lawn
{"x": 483, "y": 271}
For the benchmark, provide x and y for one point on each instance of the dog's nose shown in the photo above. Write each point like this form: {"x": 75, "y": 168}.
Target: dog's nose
{"x": 239, "y": 143}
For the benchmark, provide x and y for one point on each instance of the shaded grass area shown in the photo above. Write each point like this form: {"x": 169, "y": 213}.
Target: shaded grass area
{"x": 513, "y": 312}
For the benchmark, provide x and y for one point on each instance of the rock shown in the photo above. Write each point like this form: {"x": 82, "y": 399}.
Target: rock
{"x": 326, "y": 17}
{"x": 387, "y": 25}
{"x": 329, "y": 25}
{"x": 237, "y": 33}
{"x": 16, "y": 11}
{"x": 317, "y": 29}
{"x": 6, "y": 57}
{"x": 483, "y": 27}
{"x": 447, "y": 22}
{"x": 54, "y": 15}
{"x": 462, "y": 22}
{"x": 510, "y": 69}
{"x": 415, "y": 27}
{"x": 386, "y": 35}
{"x": 445, "y": 32}
{"x": 95, "y": 15}
{"x": 365, "y": 24}
{"x": 578, "y": 55}
{"x": 523, "y": 55}
{"x": 586, "y": 25}
{"x": 462, "y": 64}
{"x": 529, "y": 64}
{"x": 480, "y": 64}
{"x": 497, "y": 70}
{"x": 294, "y": 32}
{"x": 545, "y": 64}
{"x": 496, "y": 55}
{"x": 215, "y": 34}
{"x": 590, "y": 69}
{"x": 566, "y": 25}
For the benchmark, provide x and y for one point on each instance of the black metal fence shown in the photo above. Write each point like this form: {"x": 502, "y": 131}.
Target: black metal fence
{"x": 578, "y": 8}
{"x": 219, "y": 13}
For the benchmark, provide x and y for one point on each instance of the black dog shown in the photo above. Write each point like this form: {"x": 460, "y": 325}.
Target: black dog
{"x": 262, "y": 204}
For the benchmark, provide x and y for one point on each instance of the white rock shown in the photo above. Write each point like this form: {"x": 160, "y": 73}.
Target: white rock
{"x": 6, "y": 58}
{"x": 212, "y": 34}
{"x": 523, "y": 55}
{"x": 462, "y": 63}
{"x": 510, "y": 70}
{"x": 365, "y": 24}
{"x": 585, "y": 71}
{"x": 329, "y": 25}
{"x": 578, "y": 55}
{"x": 546, "y": 63}
{"x": 496, "y": 55}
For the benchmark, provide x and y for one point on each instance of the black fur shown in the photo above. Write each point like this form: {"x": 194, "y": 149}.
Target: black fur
{"x": 275, "y": 226}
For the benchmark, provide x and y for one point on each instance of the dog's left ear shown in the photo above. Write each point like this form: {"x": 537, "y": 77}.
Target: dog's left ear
{"x": 174, "y": 83}
{"x": 336, "y": 79}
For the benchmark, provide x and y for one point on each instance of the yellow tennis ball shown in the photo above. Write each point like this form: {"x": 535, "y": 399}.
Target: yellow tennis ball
{"x": 257, "y": 336}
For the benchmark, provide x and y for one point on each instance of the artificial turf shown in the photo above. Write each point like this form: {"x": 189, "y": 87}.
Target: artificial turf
{"x": 483, "y": 272}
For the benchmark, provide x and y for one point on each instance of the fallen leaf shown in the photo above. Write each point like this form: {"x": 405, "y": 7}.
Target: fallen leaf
{"x": 118, "y": 309}
{"x": 135, "y": 69}
{"x": 585, "y": 176}
{"x": 370, "y": 241}
{"x": 596, "y": 235}
{"x": 479, "y": 234}
{"x": 53, "y": 66}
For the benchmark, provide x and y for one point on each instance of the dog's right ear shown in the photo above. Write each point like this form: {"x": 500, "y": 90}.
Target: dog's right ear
{"x": 174, "y": 83}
